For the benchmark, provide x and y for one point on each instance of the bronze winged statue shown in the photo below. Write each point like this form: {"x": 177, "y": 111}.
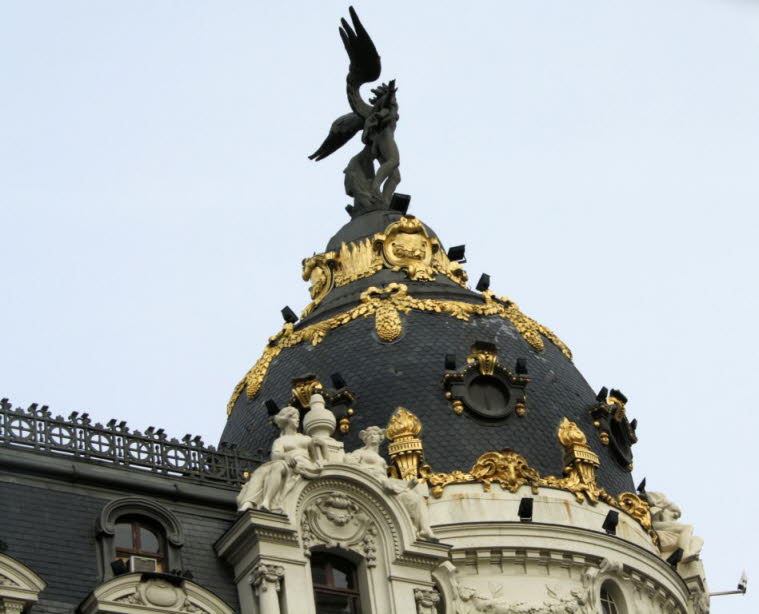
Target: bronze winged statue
{"x": 371, "y": 189}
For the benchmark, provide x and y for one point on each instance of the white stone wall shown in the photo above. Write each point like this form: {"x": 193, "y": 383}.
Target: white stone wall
{"x": 484, "y": 560}
{"x": 468, "y": 547}
{"x": 555, "y": 563}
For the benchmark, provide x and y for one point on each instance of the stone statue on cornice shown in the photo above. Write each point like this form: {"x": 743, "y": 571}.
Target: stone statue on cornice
{"x": 293, "y": 456}
{"x": 371, "y": 189}
{"x": 673, "y": 534}
{"x": 370, "y": 460}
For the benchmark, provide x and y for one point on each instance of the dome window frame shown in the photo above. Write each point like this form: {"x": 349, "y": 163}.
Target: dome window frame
{"x": 615, "y": 430}
{"x": 473, "y": 388}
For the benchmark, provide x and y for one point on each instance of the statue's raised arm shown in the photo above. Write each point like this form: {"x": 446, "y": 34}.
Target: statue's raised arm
{"x": 376, "y": 119}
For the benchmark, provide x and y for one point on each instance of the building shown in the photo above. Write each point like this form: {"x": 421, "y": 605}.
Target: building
{"x": 407, "y": 445}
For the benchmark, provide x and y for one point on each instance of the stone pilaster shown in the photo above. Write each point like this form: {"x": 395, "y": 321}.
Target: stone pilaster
{"x": 267, "y": 580}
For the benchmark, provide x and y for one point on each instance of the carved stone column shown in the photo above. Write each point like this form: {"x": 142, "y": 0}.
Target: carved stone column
{"x": 267, "y": 580}
{"x": 426, "y": 601}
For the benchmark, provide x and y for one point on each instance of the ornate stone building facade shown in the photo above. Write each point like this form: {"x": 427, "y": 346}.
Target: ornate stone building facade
{"x": 407, "y": 445}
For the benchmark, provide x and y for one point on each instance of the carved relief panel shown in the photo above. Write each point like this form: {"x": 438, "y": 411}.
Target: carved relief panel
{"x": 336, "y": 520}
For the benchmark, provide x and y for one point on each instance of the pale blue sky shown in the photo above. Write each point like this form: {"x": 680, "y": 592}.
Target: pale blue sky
{"x": 599, "y": 158}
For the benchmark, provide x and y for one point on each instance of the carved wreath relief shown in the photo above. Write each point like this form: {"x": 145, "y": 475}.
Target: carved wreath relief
{"x": 336, "y": 520}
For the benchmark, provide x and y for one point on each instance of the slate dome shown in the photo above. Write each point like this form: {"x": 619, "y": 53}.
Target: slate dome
{"x": 394, "y": 324}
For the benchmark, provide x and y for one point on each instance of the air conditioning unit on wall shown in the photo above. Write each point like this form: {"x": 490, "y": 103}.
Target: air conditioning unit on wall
{"x": 142, "y": 563}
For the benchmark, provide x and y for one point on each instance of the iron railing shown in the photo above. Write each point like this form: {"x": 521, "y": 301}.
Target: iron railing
{"x": 77, "y": 437}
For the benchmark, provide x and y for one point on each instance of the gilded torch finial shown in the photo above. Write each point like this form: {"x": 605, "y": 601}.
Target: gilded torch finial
{"x": 405, "y": 448}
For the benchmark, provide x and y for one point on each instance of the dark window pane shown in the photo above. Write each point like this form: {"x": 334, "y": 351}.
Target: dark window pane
{"x": 608, "y": 603}
{"x": 330, "y": 603}
{"x": 488, "y": 394}
{"x": 342, "y": 573}
{"x": 319, "y": 572}
{"x": 123, "y": 537}
{"x": 335, "y": 587}
{"x": 149, "y": 541}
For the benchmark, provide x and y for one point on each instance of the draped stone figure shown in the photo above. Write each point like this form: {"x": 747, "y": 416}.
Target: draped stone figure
{"x": 370, "y": 460}
{"x": 292, "y": 458}
{"x": 673, "y": 534}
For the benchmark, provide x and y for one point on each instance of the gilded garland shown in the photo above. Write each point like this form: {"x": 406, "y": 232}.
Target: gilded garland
{"x": 386, "y": 304}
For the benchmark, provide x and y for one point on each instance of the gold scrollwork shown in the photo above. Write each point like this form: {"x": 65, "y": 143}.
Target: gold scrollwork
{"x": 389, "y": 327}
{"x": 318, "y": 270}
{"x": 404, "y": 245}
{"x": 506, "y": 468}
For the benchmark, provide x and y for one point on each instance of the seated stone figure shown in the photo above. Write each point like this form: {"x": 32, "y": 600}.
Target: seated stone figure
{"x": 292, "y": 458}
{"x": 673, "y": 534}
{"x": 372, "y": 462}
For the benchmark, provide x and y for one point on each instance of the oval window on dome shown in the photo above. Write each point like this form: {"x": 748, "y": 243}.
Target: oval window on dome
{"x": 488, "y": 396}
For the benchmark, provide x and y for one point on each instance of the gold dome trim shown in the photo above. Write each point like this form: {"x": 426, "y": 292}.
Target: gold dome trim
{"x": 386, "y": 304}
{"x": 405, "y": 245}
{"x": 512, "y": 471}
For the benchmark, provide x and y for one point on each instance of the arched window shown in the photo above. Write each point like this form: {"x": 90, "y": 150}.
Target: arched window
{"x": 611, "y": 599}
{"x": 140, "y": 534}
{"x": 140, "y": 543}
{"x": 335, "y": 581}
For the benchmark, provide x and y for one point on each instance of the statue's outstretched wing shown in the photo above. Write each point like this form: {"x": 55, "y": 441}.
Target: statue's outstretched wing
{"x": 365, "y": 63}
{"x": 364, "y": 67}
{"x": 343, "y": 130}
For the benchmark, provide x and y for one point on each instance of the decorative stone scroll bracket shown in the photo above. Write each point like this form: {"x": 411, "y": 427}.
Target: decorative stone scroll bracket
{"x": 386, "y": 304}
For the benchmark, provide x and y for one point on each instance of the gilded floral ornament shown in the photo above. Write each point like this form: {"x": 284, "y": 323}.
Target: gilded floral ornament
{"x": 389, "y": 327}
